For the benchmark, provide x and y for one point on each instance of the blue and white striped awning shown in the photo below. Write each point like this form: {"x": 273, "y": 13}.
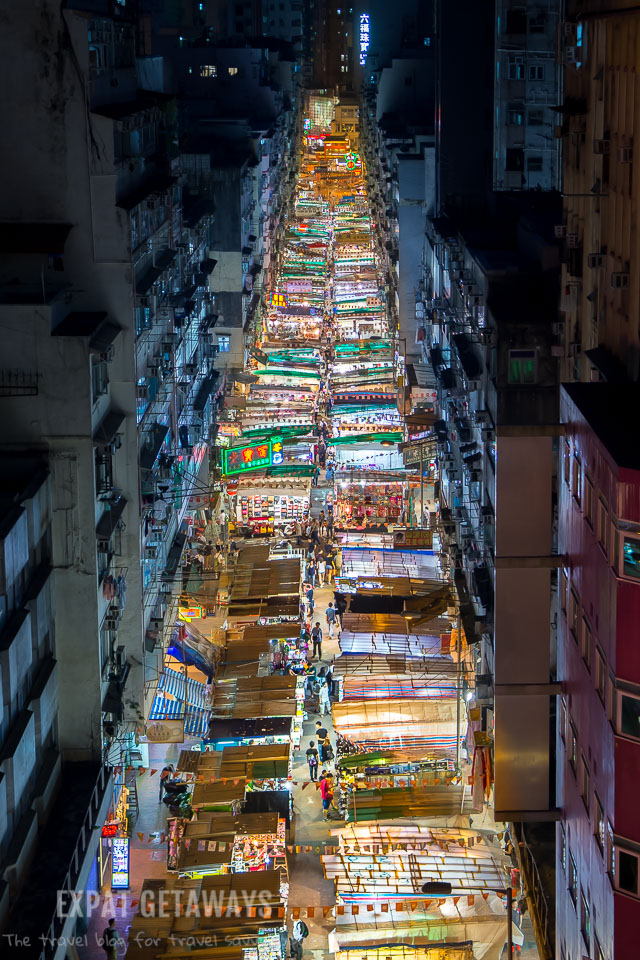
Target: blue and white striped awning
{"x": 172, "y": 682}
{"x": 165, "y": 709}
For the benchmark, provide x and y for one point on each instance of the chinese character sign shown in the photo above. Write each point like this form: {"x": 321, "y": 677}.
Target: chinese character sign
{"x": 120, "y": 863}
{"x": 255, "y": 456}
{"x": 364, "y": 37}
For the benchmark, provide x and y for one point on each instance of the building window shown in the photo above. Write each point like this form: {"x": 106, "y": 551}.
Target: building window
{"x": 585, "y": 919}
{"x": 586, "y": 643}
{"x": 631, "y": 557}
{"x": 576, "y": 486}
{"x": 574, "y": 607}
{"x": 516, "y": 118}
{"x": 626, "y": 878}
{"x": 563, "y": 719}
{"x": 601, "y": 674}
{"x": 224, "y": 344}
{"x": 603, "y": 526}
{"x": 104, "y": 471}
{"x": 611, "y": 853}
{"x": 573, "y": 879}
{"x": 515, "y": 69}
{"x": 599, "y": 824}
{"x": 564, "y": 586}
{"x": 573, "y": 746}
{"x": 99, "y": 378}
{"x": 208, "y": 70}
{"x": 535, "y": 118}
{"x": 536, "y": 71}
{"x": 585, "y": 785}
{"x": 143, "y": 319}
{"x": 522, "y": 366}
{"x": 563, "y": 847}
{"x": 537, "y": 24}
{"x": 588, "y": 499}
{"x": 567, "y": 464}
{"x": 232, "y": 71}
{"x": 628, "y": 715}
{"x": 535, "y": 164}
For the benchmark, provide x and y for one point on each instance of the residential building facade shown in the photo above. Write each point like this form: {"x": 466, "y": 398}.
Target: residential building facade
{"x": 527, "y": 84}
{"x": 598, "y": 734}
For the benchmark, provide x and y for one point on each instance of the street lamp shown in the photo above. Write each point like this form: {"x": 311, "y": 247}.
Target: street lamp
{"x": 441, "y": 888}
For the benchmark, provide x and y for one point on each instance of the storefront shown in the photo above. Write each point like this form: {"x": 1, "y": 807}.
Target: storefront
{"x": 262, "y": 504}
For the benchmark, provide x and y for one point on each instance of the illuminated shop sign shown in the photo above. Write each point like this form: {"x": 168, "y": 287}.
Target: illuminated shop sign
{"x": 120, "y": 863}
{"x": 254, "y": 457}
{"x": 193, "y": 612}
{"x": 364, "y": 37}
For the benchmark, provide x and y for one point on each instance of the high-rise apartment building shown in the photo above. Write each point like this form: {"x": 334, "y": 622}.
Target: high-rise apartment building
{"x": 600, "y": 338}
{"x": 527, "y": 82}
{"x": 598, "y": 742}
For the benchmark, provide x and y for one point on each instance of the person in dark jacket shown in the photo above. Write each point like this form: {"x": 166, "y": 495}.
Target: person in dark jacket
{"x": 110, "y": 940}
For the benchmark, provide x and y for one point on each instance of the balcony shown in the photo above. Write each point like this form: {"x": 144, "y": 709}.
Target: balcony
{"x": 65, "y": 853}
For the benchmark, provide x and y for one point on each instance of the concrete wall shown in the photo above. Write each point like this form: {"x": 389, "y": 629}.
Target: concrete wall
{"x": 522, "y": 629}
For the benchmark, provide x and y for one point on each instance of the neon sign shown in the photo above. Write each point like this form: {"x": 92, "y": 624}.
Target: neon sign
{"x": 257, "y": 456}
{"x": 120, "y": 863}
{"x": 278, "y": 300}
{"x": 364, "y": 37}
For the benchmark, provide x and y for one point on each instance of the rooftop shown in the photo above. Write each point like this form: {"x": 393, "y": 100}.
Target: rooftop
{"x": 610, "y": 409}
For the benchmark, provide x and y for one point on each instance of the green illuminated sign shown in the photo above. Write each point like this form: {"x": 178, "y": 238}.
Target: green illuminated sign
{"x": 255, "y": 456}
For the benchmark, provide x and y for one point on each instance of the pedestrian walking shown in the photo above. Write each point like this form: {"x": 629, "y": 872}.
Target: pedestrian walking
{"x": 165, "y": 775}
{"x": 316, "y": 636}
{"x": 311, "y": 572}
{"x": 326, "y": 789}
{"x": 326, "y": 750}
{"x": 110, "y": 940}
{"x": 309, "y": 596}
{"x": 312, "y": 761}
{"x": 330, "y": 614}
{"x": 321, "y": 732}
{"x": 322, "y": 569}
{"x": 330, "y": 563}
{"x": 324, "y": 703}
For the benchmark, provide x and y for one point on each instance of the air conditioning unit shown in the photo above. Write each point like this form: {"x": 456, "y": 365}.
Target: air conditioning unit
{"x": 560, "y": 230}
{"x": 569, "y": 31}
{"x": 191, "y": 369}
{"x": 558, "y": 328}
{"x": 110, "y": 623}
{"x": 595, "y": 260}
{"x": 619, "y": 280}
{"x": 573, "y": 240}
{"x": 120, "y": 657}
{"x": 151, "y": 553}
{"x": 104, "y": 546}
{"x": 601, "y": 146}
{"x": 156, "y": 623}
{"x": 625, "y": 154}
{"x": 142, "y": 391}
{"x": 474, "y": 385}
{"x": 572, "y": 55}
{"x": 144, "y": 301}
{"x": 573, "y": 349}
{"x": 482, "y": 416}
{"x": 488, "y": 435}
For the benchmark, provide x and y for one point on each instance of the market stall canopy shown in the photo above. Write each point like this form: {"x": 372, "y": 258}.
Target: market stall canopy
{"x": 241, "y": 376}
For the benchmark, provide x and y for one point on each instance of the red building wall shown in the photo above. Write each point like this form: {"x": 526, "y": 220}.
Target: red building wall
{"x": 611, "y": 607}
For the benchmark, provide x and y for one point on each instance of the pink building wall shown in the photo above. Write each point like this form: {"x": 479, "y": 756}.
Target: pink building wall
{"x": 611, "y": 606}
